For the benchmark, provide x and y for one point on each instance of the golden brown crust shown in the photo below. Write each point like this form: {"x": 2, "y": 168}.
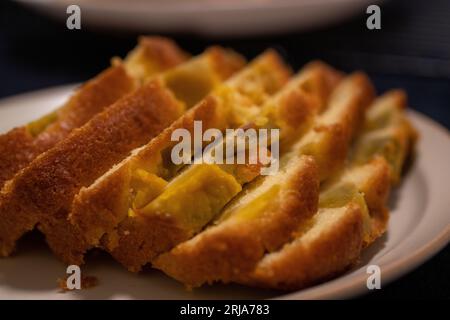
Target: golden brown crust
{"x": 19, "y": 147}
{"x": 362, "y": 100}
{"x": 396, "y": 98}
{"x": 225, "y": 62}
{"x": 218, "y": 253}
{"x": 326, "y": 78}
{"x": 331, "y": 136}
{"x": 278, "y": 68}
{"x": 138, "y": 240}
{"x": 163, "y": 51}
{"x": 306, "y": 262}
{"x": 92, "y": 98}
{"x": 16, "y": 150}
{"x": 293, "y": 115}
{"x": 62, "y": 238}
{"x": 331, "y": 153}
{"x": 101, "y": 206}
{"x": 295, "y": 108}
{"x": 43, "y": 191}
{"x": 354, "y": 94}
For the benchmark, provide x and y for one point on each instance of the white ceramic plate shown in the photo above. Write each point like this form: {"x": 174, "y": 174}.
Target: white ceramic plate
{"x": 207, "y": 17}
{"x": 419, "y": 227}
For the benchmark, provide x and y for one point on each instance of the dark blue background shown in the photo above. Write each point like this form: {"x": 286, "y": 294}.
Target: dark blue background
{"x": 411, "y": 51}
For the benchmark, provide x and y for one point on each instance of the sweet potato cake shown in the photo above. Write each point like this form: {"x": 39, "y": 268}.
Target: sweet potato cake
{"x": 97, "y": 173}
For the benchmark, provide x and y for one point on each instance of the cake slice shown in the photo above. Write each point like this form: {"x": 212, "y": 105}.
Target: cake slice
{"x": 328, "y": 142}
{"x": 125, "y": 223}
{"x": 43, "y": 191}
{"x": 387, "y": 133}
{"x": 21, "y": 145}
{"x": 153, "y": 55}
{"x": 352, "y": 212}
{"x": 268, "y": 213}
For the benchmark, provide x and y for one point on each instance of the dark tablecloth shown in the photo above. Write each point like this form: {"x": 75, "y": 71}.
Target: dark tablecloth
{"x": 411, "y": 51}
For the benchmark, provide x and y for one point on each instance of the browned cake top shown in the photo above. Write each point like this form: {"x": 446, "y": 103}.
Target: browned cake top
{"x": 53, "y": 178}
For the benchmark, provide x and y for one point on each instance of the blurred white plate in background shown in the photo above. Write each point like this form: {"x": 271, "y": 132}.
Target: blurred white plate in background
{"x": 206, "y": 17}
